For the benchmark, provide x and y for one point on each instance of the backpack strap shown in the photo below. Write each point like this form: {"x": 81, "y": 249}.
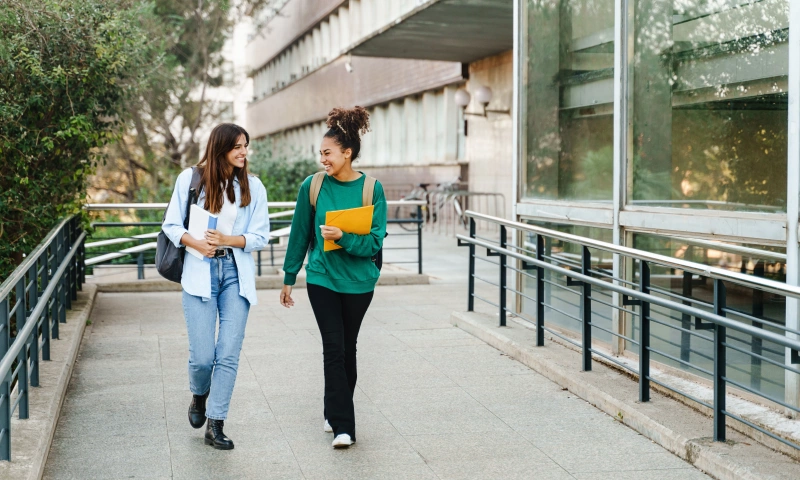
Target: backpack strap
{"x": 197, "y": 177}
{"x": 316, "y": 186}
{"x": 368, "y": 192}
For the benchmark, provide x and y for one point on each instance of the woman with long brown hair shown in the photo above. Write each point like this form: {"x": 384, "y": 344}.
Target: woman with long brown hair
{"x": 223, "y": 282}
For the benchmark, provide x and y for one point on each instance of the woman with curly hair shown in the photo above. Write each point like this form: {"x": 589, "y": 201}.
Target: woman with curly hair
{"x": 341, "y": 282}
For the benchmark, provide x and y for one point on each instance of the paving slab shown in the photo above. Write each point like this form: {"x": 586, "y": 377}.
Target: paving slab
{"x": 432, "y": 401}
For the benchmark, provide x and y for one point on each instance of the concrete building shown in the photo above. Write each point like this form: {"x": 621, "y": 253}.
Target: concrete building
{"x": 385, "y": 55}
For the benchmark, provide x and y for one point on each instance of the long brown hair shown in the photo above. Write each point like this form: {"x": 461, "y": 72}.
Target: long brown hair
{"x": 214, "y": 167}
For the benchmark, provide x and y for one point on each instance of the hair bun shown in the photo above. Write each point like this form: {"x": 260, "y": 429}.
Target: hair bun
{"x": 353, "y": 122}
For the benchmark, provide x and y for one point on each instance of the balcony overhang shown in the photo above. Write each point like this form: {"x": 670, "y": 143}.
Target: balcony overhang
{"x": 449, "y": 30}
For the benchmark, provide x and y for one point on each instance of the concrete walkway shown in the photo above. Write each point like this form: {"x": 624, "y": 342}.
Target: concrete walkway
{"x": 432, "y": 401}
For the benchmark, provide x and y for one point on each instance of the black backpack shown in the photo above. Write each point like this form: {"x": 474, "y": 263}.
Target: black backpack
{"x": 366, "y": 200}
{"x": 169, "y": 258}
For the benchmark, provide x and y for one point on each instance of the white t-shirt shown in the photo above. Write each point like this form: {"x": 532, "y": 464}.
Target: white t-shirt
{"x": 227, "y": 216}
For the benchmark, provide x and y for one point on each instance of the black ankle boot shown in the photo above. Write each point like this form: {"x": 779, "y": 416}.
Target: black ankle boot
{"x": 197, "y": 411}
{"x": 215, "y": 437}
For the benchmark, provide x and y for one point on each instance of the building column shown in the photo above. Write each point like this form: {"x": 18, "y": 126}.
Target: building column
{"x": 792, "y": 388}
{"x": 618, "y": 318}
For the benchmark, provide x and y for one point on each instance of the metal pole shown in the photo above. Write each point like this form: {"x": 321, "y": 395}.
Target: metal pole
{"x": 82, "y": 264}
{"x": 644, "y": 334}
{"x": 419, "y": 239}
{"x": 73, "y": 264}
{"x": 54, "y": 298}
{"x": 33, "y": 299}
{"x": 719, "y": 363}
{"x": 503, "y": 277}
{"x": 586, "y": 309}
{"x": 259, "y": 259}
{"x": 756, "y": 344}
{"x": 140, "y": 266}
{"x": 47, "y": 311}
{"x": 22, "y": 376}
{"x": 5, "y": 386}
{"x": 471, "y": 280}
{"x": 540, "y": 292}
{"x": 686, "y": 320}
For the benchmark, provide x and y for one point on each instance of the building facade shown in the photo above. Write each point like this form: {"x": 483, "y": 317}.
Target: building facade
{"x": 383, "y": 55}
{"x": 668, "y": 126}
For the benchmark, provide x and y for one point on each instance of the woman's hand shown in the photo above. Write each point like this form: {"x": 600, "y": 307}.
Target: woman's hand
{"x": 214, "y": 237}
{"x": 286, "y": 296}
{"x": 330, "y": 233}
{"x": 201, "y": 246}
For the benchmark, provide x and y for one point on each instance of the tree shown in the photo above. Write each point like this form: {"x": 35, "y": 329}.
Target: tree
{"x": 66, "y": 66}
{"x": 164, "y": 123}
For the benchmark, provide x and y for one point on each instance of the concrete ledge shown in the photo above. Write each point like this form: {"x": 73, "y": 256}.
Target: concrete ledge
{"x": 31, "y": 439}
{"x": 675, "y": 426}
{"x": 265, "y": 282}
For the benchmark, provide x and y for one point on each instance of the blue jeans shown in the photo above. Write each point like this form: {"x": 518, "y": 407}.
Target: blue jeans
{"x": 213, "y": 362}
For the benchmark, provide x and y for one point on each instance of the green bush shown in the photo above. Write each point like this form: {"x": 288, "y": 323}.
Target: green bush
{"x": 280, "y": 172}
{"x": 65, "y": 68}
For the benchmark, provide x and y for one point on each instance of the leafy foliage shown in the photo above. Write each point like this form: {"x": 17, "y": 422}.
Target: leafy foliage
{"x": 66, "y": 66}
{"x": 164, "y": 125}
{"x": 281, "y": 173}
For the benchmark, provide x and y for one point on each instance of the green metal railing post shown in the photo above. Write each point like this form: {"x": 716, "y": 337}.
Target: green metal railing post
{"x": 644, "y": 334}
{"x": 720, "y": 359}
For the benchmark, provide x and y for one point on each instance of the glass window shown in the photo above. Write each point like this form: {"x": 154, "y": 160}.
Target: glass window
{"x": 745, "y": 305}
{"x": 568, "y": 83}
{"x": 709, "y": 104}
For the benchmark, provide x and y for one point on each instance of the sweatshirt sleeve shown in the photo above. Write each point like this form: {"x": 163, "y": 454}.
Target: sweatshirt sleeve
{"x": 368, "y": 245}
{"x": 299, "y": 235}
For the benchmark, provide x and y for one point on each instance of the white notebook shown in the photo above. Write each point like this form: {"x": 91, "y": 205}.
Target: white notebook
{"x": 200, "y": 220}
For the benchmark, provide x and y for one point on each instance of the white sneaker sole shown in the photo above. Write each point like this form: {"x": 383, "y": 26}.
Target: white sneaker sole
{"x": 327, "y": 427}
{"x": 342, "y": 442}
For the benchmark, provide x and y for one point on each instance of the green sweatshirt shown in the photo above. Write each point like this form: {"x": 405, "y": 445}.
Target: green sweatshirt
{"x": 349, "y": 269}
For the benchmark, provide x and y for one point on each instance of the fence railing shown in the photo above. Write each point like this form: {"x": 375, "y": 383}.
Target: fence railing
{"x": 144, "y": 246}
{"x": 33, "y": 302}
{"x": 735, "y": 343}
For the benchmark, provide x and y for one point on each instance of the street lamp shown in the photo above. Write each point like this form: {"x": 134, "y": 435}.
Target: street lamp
{"x": 483, "y": 95}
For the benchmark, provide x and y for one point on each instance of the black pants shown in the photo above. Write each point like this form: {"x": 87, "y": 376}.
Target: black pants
{"x": 339, "y": 317}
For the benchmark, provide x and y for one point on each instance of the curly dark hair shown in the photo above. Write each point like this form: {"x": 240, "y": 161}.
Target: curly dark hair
{"x": 346, "y": 126}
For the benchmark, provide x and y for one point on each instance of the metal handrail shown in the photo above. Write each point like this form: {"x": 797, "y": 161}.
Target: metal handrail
{"x": 678, "y": 307}
{"x": 276, "y": 219}
{"x": 758, "y": 283}
{"x": 582, "y": 276}
{"x": 22, "y": 336}
{"x": 8, "y": 284}
{"x": 56, "y": 267}
{"x": 96, "y": 207}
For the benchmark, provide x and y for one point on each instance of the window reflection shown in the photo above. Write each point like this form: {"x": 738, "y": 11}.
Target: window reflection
{"x": 569, "y": 99}
{"x": 709, "y": 87}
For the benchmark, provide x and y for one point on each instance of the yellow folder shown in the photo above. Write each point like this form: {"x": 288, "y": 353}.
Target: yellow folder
{"x": 352, "y": 220}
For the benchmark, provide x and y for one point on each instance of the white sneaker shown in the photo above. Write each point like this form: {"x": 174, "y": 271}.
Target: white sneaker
{"x": 342, "y": 441}
{"x": 327, "y": 427}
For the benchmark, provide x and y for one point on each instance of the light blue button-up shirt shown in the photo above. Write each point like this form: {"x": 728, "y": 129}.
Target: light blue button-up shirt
{"x": 252, "y": 221}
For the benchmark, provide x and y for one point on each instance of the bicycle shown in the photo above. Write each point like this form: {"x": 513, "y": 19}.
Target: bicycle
{"x": 419, "y": 192}
{"x": 430, "y": 212}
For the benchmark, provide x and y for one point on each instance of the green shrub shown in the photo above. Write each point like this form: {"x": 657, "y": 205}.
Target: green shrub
{"x": 65, "y": 68}
{"x": 280, "y": 172}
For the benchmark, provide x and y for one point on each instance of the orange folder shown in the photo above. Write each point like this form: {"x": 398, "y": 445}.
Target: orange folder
{"x": 352, "y": 220}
